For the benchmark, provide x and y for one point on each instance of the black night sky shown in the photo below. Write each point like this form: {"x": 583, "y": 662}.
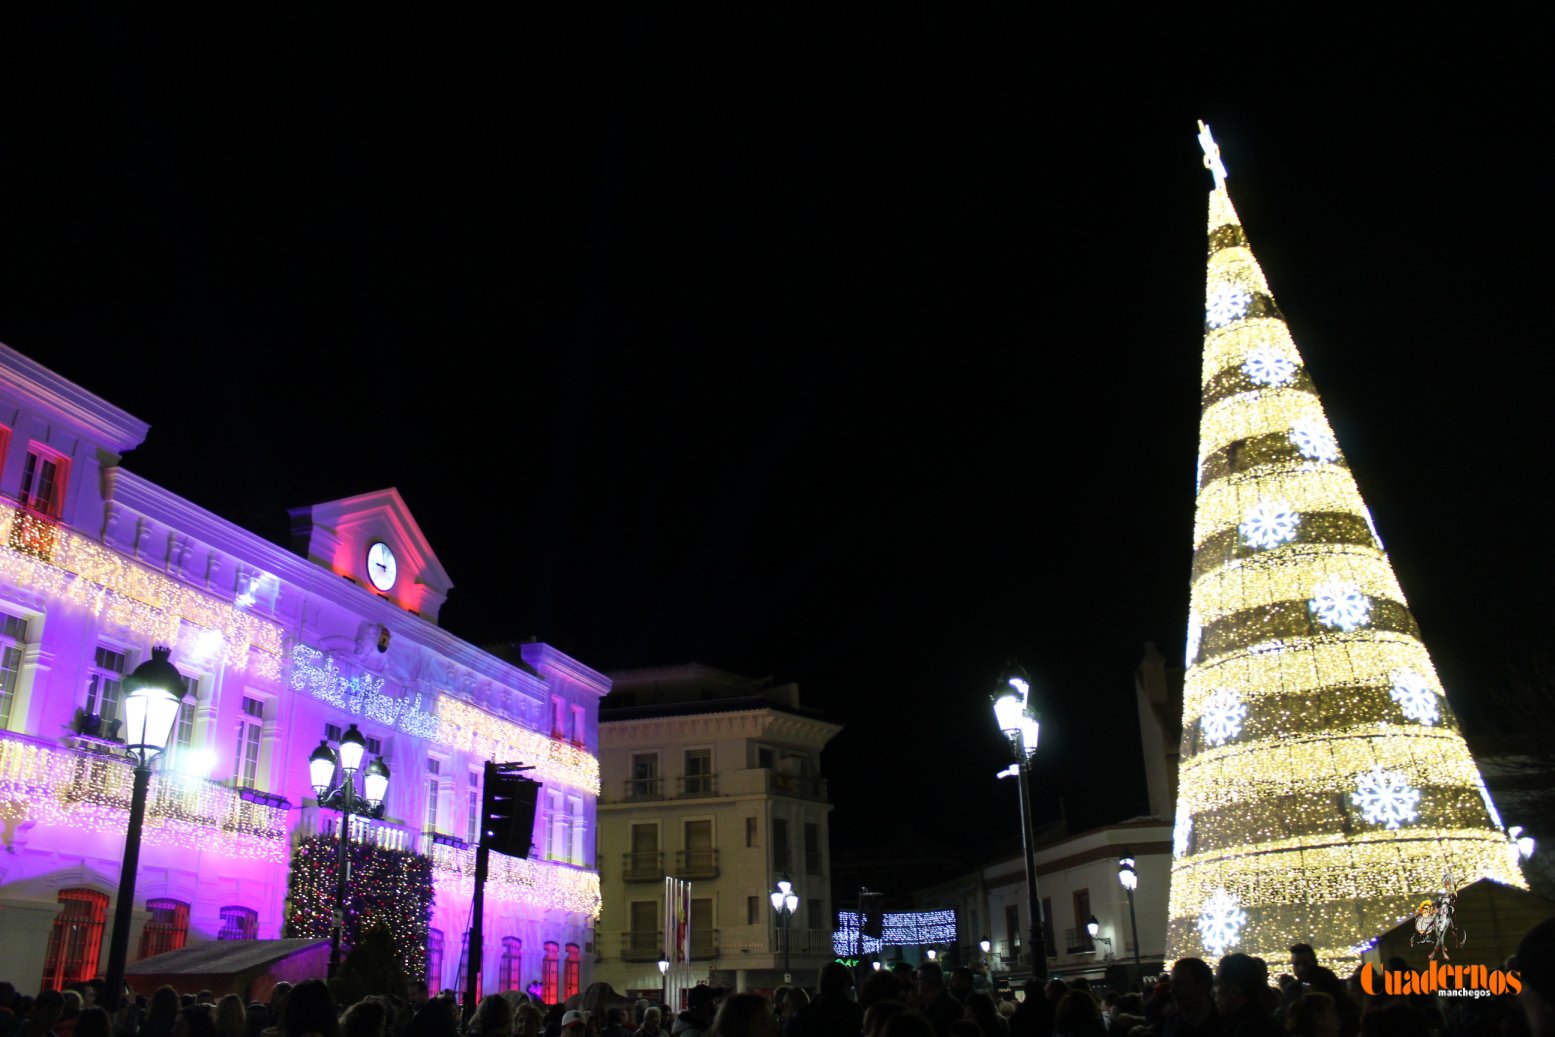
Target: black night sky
{"x": 859, "y": 348}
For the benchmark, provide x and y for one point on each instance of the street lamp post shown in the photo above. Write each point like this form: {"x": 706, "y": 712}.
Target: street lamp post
{"x": 154, "y": 694}
{"x": 785, "y": 902}
{"x": 1129, "y": 878}
{"x": 1013, "y": 711}
{"x": 664, "y": 969}
{"x": 341, "y": 795}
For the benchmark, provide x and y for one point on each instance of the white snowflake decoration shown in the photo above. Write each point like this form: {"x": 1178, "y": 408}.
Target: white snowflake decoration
{"x": 1386, "y": 797}
{"x": 1182, "y": 830}
{"x": 1222, "y": 717}
{"x": 1415, "y": 696}
{"x": 1266, "y": 366}
{"x": 1269, "y": 523}
{"x": 1315, "y": 442}
{"x": 1220, "y": 922}
{"x": 1226, "y": 303}
{"x": 1340, "y": 604}
{"x": 1193, "y": 639}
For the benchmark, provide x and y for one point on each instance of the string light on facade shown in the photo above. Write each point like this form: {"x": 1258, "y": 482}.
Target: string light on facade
{"x": 90, "y": 792}
{"x": 1340, "y": 604}
{"x": 1269, "y": 523}
{"x": 898, "y": 929}
{"x": 1385, "y": 797}
{"x": 1415, "y": 696}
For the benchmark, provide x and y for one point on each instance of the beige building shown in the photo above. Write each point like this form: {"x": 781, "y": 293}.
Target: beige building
{"x": 716, "y": 779}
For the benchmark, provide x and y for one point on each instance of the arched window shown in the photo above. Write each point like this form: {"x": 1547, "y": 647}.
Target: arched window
{"x": 76, "y": 939}
{"x": 550, "y": 974}
{"x": 238, "y": 923}
{"x": 166, "y": 930}
{"x": 570, "y": 974}
{"x": 434, "y": 960}
{"x": 512, "y": 963}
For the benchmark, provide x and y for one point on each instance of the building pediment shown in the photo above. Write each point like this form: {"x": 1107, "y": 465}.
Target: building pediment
{"x": 374, "y": 541}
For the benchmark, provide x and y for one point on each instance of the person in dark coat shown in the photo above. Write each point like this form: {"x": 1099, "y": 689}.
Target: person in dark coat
{"x": 1241, "y": 985}
{"x": 936, "y": 1003}
{"x": 833, "y": 1013}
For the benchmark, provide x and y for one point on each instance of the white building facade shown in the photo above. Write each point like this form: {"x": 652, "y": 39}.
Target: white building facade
{"x": 714, "y": 779}
{"x": 278, "y": 649}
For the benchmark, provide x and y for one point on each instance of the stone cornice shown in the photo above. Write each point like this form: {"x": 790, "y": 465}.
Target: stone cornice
{"x": 754, "y": 723}
{"x": 98, "y": 419}
{"x": 540, "y": 655}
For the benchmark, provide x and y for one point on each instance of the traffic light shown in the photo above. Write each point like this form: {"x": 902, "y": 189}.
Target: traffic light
{"x": 508, "y": 802}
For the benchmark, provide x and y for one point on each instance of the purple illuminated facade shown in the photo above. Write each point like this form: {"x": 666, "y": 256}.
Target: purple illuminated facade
{"x": 278, "y": 649}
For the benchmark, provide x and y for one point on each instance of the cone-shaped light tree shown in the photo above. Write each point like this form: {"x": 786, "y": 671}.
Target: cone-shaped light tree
{"x": 1325, "y": 786}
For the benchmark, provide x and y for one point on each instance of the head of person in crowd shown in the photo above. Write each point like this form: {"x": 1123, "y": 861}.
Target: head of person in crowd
{"x": 310, "y": 1009}
{"x": 1536, "y": 965}
{"x": 745, "y": 1015}
{"x": 908, "y": 1024}
{"x": 230, "y": 1017}
{"x": 960, "y": 984}
{"x": 94, "y": 1022}
{"x": 367, "y": 1018}
{"x": 834, "y": 980}
{"x": 1240, "y": 982}
{"x": 1312, "y": 1015}
{"x": 194, "y": 1021}
{"x": 1077, "y": 1013}
{"x": 879, "y": 1013}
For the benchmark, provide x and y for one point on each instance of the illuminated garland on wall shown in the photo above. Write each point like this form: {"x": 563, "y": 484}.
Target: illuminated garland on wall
{"x": 544, "y": 885}
{"x": 456, "y": 725}
{"x": 899, "y": 929}
{"x": 90, "y": 792}
{"x": 465, "y": 727}
{"x": 65, "y": 566}
{"x": 363, "y": 694}
{"x": 387, "y": 887}
{"x": 1324, "y": 783}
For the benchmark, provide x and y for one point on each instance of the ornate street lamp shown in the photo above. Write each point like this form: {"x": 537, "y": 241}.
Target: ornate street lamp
{"x": 1012, "y": 710}
{"x": 1129, "y": 879}
{"x": 785, "y": 902}
{"x": 664, "y": 969}
{"x": 154, "y": 693}
{"x": 324, "y": 766}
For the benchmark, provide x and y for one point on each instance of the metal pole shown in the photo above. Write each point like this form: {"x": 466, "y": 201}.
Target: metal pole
{"x": 342, "y": 874}
{"x": 474, "y": 958}
{"x": 1028, "y": 839}
{"x": 1139, "y": 970}
{"x": 118, "y": 950}
{"x": 787, "y": 915}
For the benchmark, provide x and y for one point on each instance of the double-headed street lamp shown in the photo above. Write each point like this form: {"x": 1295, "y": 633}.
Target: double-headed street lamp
{"x": 154, "y": 693}
{"x": 1129, "y": 879}
{"x": 1012, "y": 709}
{"x": 341, "y": 795}
{"x": 785, "y": 902}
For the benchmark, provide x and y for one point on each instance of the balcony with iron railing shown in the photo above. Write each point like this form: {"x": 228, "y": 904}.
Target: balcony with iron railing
{"x": 644, "y": 790}
{"x": 86, "y": 787}
{"x": 642, "y": 866}
{"x": 696, "y": 864}
{"x": 697, "y": 786}
{"x": 642, "y": 946}
{"x": 1079, "y": 941}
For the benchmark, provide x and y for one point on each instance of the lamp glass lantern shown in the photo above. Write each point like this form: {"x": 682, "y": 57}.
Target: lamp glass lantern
{"x": 1127, "y": 876}
{"x": 352, "y": 746}
{"x": 321, "y": 768}
{"x": 1092, "y": 926}
{"x": 664, "y": 966}
{"x": 375, "y": 782}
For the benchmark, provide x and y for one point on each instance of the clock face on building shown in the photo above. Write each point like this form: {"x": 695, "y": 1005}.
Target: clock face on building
{"x": 381, "y": 567}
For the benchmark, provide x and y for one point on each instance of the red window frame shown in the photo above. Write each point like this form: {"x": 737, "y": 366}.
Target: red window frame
{"x": 571, "y": 973}
{"x": 76, "y": 939}
{"x": 550, "y": 974}
{"x": 512, "y": 959}
{"x": 166, "y": 930}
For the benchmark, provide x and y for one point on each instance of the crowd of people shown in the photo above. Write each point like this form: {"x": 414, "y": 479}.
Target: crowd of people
{"x": 1235, "y": 998}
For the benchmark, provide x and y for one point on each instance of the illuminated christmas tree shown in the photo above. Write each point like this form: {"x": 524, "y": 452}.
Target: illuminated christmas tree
{"x": 1325, "y": 786}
